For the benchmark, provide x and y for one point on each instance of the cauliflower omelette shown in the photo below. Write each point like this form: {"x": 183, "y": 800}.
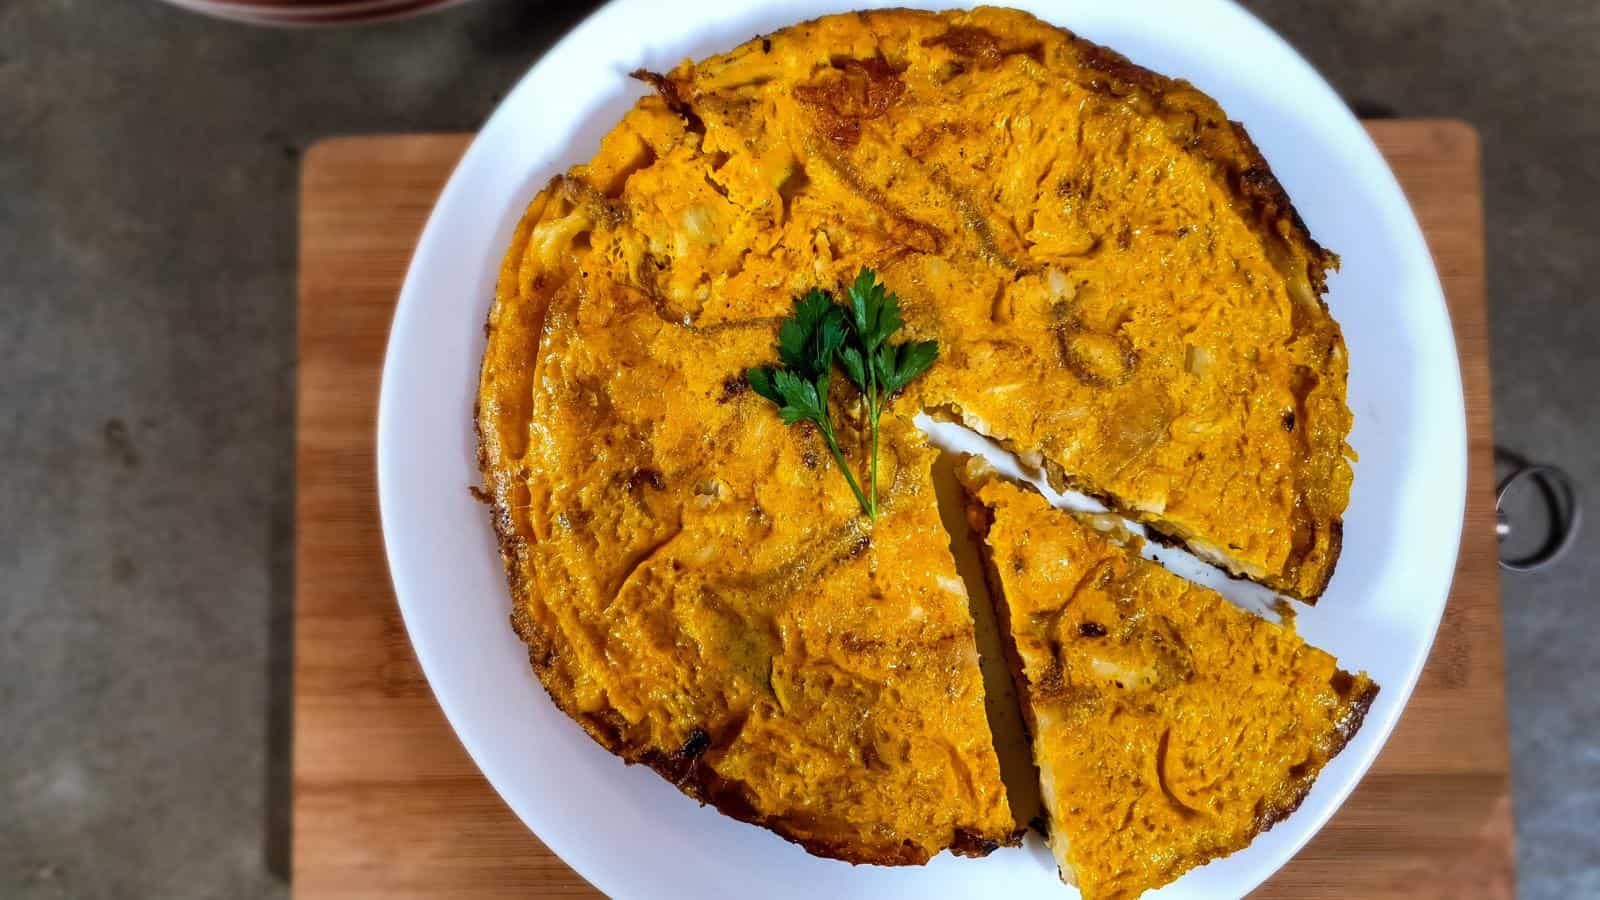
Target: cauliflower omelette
{"x": 1120, "y": 292}
{"x": 1169, "y": 726}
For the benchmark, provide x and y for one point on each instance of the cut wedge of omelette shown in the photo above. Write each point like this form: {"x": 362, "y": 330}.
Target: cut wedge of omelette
{"x": 1120, "y": 291}
{"x": 1169, "y": 727}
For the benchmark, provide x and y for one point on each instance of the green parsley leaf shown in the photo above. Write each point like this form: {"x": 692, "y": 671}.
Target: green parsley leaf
{"x": 801, "y": 401}
{"x": 854, "y": 367}
{"x": 875, "y": 313}
{"x": 798, "y": 338}
{"x": 760, "y": 379}
{"x": 909, "y": 360}
{"x": 829, "y": 337}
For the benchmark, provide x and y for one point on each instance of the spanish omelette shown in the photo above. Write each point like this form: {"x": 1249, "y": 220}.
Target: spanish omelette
{"x": 1120, "y": 290}
{"x": 1169, "y": 726}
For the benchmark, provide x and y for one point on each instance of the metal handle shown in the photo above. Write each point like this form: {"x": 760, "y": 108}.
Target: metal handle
{"x": 1561, "y": 500}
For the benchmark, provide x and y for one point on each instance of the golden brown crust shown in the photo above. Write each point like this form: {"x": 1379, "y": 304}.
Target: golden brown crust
{"x": 1325, "y": 574}
{"x": 1356, "y": 715}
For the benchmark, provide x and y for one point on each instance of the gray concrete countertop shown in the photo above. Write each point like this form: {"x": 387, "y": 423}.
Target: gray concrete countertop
{"x": 148, "y": 164}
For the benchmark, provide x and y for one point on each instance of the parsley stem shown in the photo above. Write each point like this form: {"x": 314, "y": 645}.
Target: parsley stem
{"x": 874, "y": 408}
{"x": 838, "y": 458}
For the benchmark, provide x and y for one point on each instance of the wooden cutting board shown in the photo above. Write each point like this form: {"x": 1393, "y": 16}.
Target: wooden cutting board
{"x": 386, "y": 802}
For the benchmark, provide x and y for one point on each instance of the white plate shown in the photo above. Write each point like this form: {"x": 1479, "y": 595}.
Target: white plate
{"x": 626, "y": 829}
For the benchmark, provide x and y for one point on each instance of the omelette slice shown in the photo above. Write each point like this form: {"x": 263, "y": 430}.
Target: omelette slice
{"x": 1169, "y": 727}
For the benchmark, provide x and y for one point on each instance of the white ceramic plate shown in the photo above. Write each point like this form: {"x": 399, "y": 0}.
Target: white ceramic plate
{"x": 626, "y": 829}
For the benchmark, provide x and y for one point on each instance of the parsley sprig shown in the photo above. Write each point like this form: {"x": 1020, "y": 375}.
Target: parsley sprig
{"x": 857, "y": 335}
{"x": 880, "y": 369}
{"x": 808, "y": 341}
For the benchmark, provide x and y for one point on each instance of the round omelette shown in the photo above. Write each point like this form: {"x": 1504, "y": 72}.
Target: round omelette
{"x": 1120, "y": 290}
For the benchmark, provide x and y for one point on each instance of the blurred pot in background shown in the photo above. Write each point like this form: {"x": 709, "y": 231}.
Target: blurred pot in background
{"x": 311, "y": 13}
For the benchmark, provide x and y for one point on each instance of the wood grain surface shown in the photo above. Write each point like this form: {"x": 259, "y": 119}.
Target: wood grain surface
{"x": 386, "y": 802}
